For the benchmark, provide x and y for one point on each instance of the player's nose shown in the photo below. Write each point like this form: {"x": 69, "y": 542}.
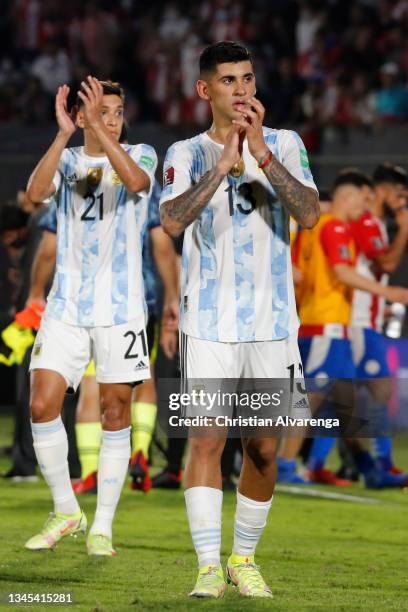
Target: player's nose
{"x": 240, "y": 89}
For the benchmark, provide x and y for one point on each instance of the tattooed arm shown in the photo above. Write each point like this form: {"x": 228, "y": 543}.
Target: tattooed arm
{"x": 301, "y": 202}
{"x": 178, "y": 213}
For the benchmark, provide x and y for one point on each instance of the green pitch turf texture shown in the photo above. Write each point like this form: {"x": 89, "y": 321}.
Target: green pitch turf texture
{"x": 316, "y": 554}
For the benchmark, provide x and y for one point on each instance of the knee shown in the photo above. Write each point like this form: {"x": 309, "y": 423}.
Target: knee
{"x": 40, "y": 409}
{"x": 115, "y": 412}
{"x": 205, "y": 448}
{"x": 262, "y": 454}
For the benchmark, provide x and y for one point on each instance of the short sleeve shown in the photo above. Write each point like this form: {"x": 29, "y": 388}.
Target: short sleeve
{"x": 294, "y": 157}
{"x": 335, "y": 239}
{"x": 61, "y": 170}
{"x": 145, "y": 157}
{"x": 368, "y": 237}
{"x": 176, "y": 172}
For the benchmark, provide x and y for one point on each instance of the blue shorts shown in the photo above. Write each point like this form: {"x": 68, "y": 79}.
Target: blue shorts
{"x": 326, "y": 359}
{"x": 369, "y": 353}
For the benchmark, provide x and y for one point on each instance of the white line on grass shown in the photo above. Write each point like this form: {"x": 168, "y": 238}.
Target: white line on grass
{"x": 355, "y": 499}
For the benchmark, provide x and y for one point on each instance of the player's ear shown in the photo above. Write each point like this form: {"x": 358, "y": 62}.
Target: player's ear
{"x": 80, "y": 119}
{"x": 202, "y": 90}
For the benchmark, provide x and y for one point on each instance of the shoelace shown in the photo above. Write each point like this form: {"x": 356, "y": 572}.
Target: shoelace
{"x": 252, "y": 579}
{"x": 205, "y": 579}
{"x": 52, "y": 521}
{"x": 102, "y": 540}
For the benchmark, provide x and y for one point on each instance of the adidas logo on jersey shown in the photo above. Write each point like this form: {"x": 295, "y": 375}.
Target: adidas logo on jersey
{"x": 302, "y": 403}
{"x": 72, "y": 178}
{"x": 141, "y": 365}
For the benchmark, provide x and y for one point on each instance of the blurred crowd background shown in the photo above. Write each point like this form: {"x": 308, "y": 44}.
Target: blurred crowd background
{"x": 322, "y": 65}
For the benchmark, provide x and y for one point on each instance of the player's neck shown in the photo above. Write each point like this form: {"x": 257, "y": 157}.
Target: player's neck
{"x": 337, "y": 211}
{"x": 377, "y": 206}
{"x": 219, "y": 131}
{"x": 92, "y": 147}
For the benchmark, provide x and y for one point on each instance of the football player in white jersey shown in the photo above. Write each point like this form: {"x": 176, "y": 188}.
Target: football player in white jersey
{"x": 232, "y": 190}
{"x": 96, "y": 305}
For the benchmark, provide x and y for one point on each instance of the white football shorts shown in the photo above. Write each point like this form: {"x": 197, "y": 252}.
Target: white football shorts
{"x": 271, "y": 367}
{"x": 120, "y": 352}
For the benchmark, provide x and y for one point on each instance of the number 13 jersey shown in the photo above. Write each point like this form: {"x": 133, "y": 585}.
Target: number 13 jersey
{"x": 98, "y": 274}
{"x": 237, "y": 281}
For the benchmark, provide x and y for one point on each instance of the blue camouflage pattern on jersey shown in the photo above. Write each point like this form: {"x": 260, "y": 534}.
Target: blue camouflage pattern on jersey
{"x": 149, "y": 266}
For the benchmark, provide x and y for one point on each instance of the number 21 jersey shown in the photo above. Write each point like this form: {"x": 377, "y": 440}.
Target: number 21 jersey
{"x": 236, "y": 266}
{"x": 98, "y": 276}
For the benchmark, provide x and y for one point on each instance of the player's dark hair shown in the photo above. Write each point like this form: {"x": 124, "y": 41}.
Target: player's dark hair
{"x": 109, "y": 89}
{"x": 221, "y": 53}
{"x": 387, "y": 173}
{"x": 352, "y": 176}
{"x": 324, "y": 195}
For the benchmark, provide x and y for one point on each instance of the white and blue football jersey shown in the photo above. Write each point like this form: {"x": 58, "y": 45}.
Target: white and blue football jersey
{"x": 237, "y": 281}
{"x": 98, "y": 278}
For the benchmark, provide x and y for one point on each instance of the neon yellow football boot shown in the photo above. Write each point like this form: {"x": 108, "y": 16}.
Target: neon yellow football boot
{"x": 56, "y": 527}
{"x": 100, "y": 545}
{"x": 210, "y": 582}
{"x": 245, "y": 574}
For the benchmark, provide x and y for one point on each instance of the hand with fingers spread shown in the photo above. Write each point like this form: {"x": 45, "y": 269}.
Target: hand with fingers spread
{"x": 91, "y": 94}
{"x": 232, "y": 149}
{"x": 66, "y": 120}
{"x": 251, "y": 121}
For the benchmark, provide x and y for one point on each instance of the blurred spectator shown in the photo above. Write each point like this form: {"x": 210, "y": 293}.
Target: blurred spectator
{"x": 391, "y": 100}
{"x": 308, "y": 54}
{"x": 52, "y": 67}
{"x": 13, "y": 234}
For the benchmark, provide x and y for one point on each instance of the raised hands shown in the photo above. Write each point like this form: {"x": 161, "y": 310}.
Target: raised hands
{"x": 65, "y": 119}
{"x": 91, "y": 94}
{"x": 232, "y": 149}
{"x": 251, "y": 123}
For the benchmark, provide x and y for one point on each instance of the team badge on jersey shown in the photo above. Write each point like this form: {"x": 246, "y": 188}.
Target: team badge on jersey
{"x": 115, "y": 178}
{"x": 378, "y": 244}
{"x": 344, "y": 251}
{"x": 94, "y": 176}
{"x": 168, "y": 178}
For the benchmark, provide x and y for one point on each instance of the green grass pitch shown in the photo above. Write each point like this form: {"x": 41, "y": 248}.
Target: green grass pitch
{"x": 316, "y": 554}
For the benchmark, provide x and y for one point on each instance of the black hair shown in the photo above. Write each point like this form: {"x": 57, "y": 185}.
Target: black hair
{"x": 324, "y": 195}
{"x": 387, "y": 173}
{"x": 352, "y": 176}
{"x": 109, "y": 89}
{"x": 221, "y": 53}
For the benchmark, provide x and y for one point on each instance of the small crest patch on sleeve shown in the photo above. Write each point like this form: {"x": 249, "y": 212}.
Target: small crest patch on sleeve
{"x": 168, "y": 178}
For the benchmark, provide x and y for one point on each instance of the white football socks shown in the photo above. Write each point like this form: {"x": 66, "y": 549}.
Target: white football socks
{"x": 204, "y": 508}
{"x": 51, "y": 450}
{"x": 249, "y": 523}
{"x": 113, "y": 465}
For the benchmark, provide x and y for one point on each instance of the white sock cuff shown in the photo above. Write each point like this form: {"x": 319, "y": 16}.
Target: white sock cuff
{"x": 119, "y": 436}
{"x": 116, "y": 444}
{"x": 241, "y": 499}
{"x": 45, "y": 429}
{"x": 203, "y": 492}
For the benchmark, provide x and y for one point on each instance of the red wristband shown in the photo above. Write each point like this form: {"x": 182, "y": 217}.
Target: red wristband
{"x": 266, "y": 161}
